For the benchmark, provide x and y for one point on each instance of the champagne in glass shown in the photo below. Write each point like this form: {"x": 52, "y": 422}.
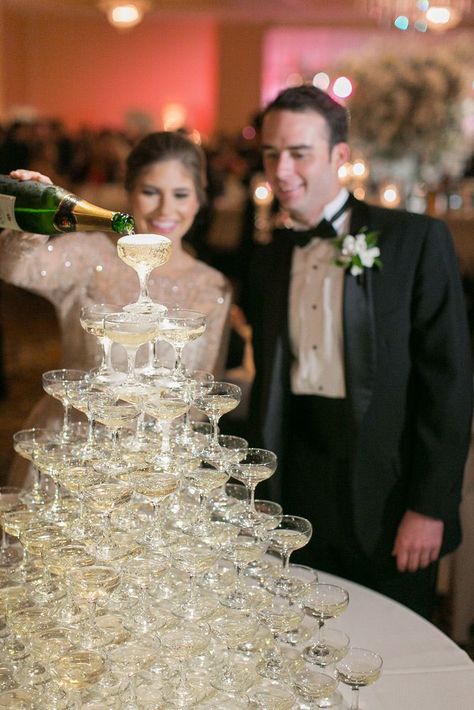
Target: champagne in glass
{"x": 217, "y": 400}
{"x": 360, "y": 667}
{"x": 292, "y": 533}
{"x": 10, "y": 500}
{"x": 131, "y": 330}
{"x": 324, "y": 601}
{"x": 179, "y": 327}
{"x": 57, "y": 383}
{"x": 144, "y": 252}
{"x": 253, "y": 466}
{"x": 26, "y": 443}
{"x": 92, "y": 320}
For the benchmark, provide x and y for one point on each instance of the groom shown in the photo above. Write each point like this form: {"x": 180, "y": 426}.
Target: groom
{"x": 363, "y": 382}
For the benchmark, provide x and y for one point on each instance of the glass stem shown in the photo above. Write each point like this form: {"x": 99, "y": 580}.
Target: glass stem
{"x": 215, "y": 429}
{"x": 66, "y": 426}
{"x": 178, "y": 363}
{"x": 115, "y": 456}
{"x": 37, "y": 482}
{"x": 143, "y": 275}
{"x": 107, "y": 354}
{"x": 355, "y": 699}
{"x": 90, "y": 431}
{"x": 165, "y": 437}
{"x": 319, "y": 633}
{"x": 286, "y": 564}
{"x": 251, "y": 498}
{"x": 131, "y": 355}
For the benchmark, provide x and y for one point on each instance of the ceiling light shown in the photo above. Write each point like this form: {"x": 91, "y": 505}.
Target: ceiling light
{"x": 123, "y": 14}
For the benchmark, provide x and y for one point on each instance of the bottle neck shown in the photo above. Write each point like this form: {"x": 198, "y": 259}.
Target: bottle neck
{"x": 76, "y": 215}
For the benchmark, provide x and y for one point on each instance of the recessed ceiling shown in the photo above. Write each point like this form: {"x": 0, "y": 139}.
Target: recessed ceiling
{"x": 320, "y": 12}
{"x": 332, "y": 12}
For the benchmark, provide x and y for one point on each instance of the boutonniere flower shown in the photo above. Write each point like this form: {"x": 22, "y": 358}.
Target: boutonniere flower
{"x": 358, "y": 252}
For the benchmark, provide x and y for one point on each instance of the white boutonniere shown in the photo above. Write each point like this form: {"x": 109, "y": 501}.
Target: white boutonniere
{"x": 358, "y": 252}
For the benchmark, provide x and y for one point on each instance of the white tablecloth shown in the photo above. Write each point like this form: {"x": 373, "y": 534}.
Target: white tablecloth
{"x": 423, "y": 669}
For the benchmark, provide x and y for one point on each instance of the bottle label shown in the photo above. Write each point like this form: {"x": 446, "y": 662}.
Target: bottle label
{"x": 7, "y": 212}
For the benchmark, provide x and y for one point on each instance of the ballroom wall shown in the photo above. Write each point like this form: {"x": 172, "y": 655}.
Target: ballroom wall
{"x": 75, "y": 66}
{"x": 82, "y": 70}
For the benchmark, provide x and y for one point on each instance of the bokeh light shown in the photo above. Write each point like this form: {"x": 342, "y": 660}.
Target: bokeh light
{"x": 249, "y": 133}
{"x": 342, "y": 87}
{"x": 321, "y": 80}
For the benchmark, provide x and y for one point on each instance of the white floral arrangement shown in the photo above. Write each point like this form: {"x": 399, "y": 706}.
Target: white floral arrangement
{"x": 413, "y": 100}
{"x": 358, "y": 252}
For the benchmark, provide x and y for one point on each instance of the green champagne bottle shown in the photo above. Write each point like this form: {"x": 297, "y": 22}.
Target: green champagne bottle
{"x": 31, "y": 206}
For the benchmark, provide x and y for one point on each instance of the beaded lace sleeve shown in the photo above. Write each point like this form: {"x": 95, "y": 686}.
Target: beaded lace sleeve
{"x": 52, "y": 268}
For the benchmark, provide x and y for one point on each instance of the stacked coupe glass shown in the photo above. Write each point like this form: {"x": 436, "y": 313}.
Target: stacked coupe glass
{"x": 133, "y": 572}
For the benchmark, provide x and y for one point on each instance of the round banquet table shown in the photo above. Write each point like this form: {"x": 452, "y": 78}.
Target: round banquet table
{"x": 423, "y": 669}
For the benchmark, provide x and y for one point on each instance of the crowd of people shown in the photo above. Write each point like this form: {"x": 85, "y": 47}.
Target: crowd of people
{"x": 361, "y": 350}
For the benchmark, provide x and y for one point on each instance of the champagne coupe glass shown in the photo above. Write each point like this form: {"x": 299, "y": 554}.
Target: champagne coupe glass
{"x": 131, "y": 330}
{"x": 292, "y": 533}
{"x": 271, "y": 695}
{"x": 132, "y": 658}
{"x": 230, "y": 452}
{"x": 103, "y": 498}
{"x": 10, "y": 500}
{"x": 92, "y": 320}
{"x": 25, "y": 443}
{"x": 78, "y": 669}
{"x": 91, "y": 584}
{"x": 217, "y": 400}
{"x": 316, "y": 689}
{"x": 333, "y": 649}
{"x": 114, "y": 413}
{"x": 233, "y": 628}
{"x": 57, "y": 384}
{"x": 155, "y": 486}
{"x": 53, "y": 459}
{"x": 196, "y": 382}
{"x": 247, "y": 548}
{"x": 183, "y": 643}
{"x": 146, "y": 572}
{"x": 179, "y": 327}
{"x": 144, "y": 252}
{"x": 82, "y": 395}
{"x": 360, "y": 667}
{"x": 254, "y": 466}
{"x": 195, "y": 558}
{"x": 204, "y": 480}
{"x": 58, "y": 559}
{"x": 324, "y": 601}
{"x": 280, "y": 617}
{"x": 165, "y": 407}
{"x": 75, "y": 480}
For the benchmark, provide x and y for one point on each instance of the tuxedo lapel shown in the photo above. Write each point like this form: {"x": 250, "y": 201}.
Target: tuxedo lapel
{"x": 359, "y": 328}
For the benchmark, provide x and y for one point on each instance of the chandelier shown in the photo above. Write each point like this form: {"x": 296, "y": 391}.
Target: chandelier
{"x": 124, "y": 14}
{"x": 421, "y": 15}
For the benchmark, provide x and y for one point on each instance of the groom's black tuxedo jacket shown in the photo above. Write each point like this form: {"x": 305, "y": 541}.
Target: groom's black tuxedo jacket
{"x": 407, "y": 371}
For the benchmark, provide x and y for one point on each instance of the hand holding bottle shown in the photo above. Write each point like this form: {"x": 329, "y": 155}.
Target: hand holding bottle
{"x": 22, "y": 174}
{"x": 29, "y": 202}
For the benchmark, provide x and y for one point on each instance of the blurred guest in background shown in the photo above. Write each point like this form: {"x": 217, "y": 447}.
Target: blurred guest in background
{"x": 363, "y": 375}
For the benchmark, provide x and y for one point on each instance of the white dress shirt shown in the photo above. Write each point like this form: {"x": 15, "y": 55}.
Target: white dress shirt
{"x": 315, "y": 312}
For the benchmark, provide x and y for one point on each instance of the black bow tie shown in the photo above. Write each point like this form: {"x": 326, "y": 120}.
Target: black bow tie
{"x": 323, "y": 230}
